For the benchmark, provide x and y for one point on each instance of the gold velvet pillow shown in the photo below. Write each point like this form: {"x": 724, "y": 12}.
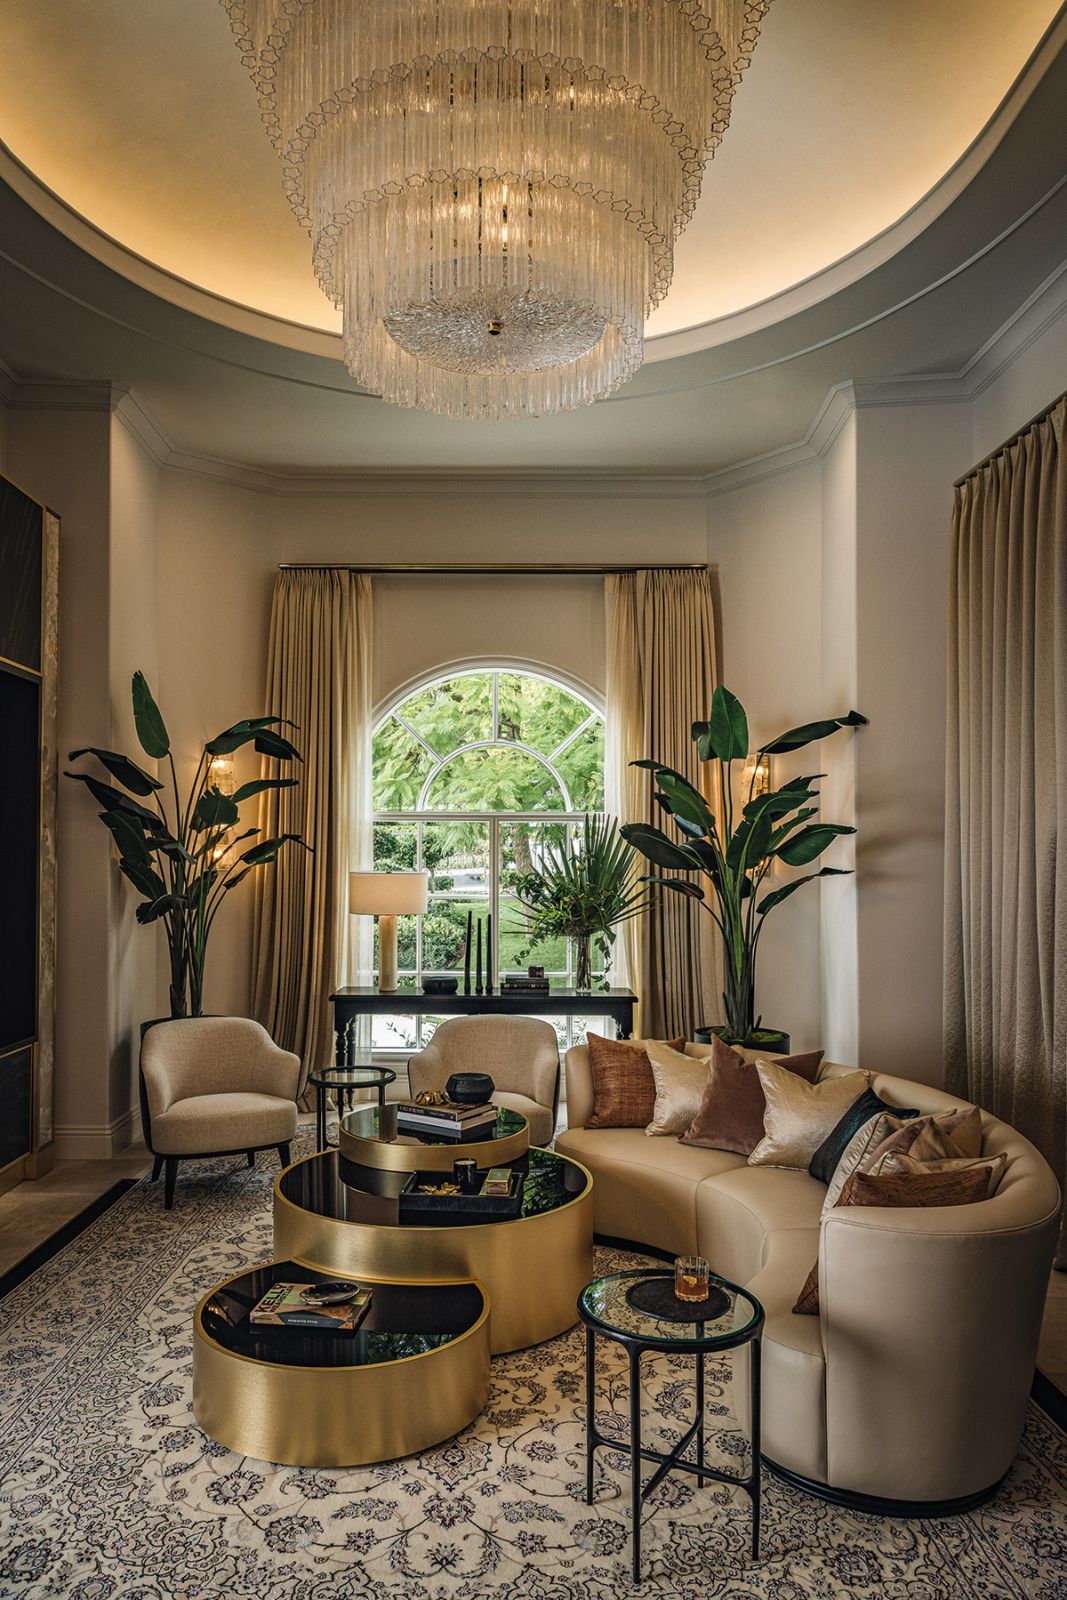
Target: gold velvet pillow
{"x": 679, "y": 1084}
{"x": 799, "y": 1115}
{"x": 730, "y": 1114}
{"x": 897, "y": 1164}
{"x": 961, "y": 1187}
{"x": 624, "y": 1090}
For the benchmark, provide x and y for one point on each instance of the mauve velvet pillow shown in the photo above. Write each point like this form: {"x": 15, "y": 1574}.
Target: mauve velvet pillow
{"x": 731, "y": 1113}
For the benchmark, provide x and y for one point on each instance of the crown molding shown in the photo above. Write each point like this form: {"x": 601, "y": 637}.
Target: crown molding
{"x": 1035, "y": 316}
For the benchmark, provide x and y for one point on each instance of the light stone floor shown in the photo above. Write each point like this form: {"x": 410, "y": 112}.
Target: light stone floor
{"x": 34, "y": 1211}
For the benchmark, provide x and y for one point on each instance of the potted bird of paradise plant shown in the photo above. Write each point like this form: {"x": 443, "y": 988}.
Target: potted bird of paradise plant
{"x": 735, "y": 847}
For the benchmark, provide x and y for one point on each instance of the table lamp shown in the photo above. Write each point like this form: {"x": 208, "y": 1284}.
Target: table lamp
{"x": 387, "y": 895}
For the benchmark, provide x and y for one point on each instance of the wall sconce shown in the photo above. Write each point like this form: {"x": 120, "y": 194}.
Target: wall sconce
{"x": 756, "y": 775}
{"x": 220, "y": 774}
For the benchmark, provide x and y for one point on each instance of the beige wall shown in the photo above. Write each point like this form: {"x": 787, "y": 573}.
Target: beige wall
{"x": 765, "y": 541}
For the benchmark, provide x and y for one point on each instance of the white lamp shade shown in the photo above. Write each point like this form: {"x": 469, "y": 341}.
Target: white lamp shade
{"x": 388, "y": 894}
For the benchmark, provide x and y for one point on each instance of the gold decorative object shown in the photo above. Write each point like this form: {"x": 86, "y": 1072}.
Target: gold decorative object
{"x": 338, "y": 1416}
{"x": 431, "y": 1097}
{"x": 493, "y": 190}
{"x": 534, "y": 1268}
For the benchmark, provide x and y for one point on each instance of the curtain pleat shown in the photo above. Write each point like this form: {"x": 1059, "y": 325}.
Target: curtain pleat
{"x": 660, "y": 679}
{"x": 318, "y": 676}
{"x": 1006, "y": 879}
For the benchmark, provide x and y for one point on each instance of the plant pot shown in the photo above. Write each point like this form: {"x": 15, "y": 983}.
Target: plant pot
{"x": 773, "y": 1040}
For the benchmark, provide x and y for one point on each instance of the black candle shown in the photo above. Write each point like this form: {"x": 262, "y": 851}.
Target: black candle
{"x": 467, "y": 959}
{"x": 478, "y": 987}
{"x": 489, "y": 954}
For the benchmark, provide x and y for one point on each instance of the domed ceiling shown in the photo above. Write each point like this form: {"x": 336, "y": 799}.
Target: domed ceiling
{"x": 139, "y": 117}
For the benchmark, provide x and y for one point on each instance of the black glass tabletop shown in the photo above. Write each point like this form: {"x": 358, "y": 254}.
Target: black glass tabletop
{"x": 609, "y": 1305}
{"x": 372, "y": 1122}
{"x": 330, "y": 1186}
{"x": 351, "y": 1077}
{"x": 405, "y": 1319}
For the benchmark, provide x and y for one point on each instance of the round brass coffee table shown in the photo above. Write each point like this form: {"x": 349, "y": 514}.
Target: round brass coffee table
{"x": 534, "y": 1266}
{"x": 414, "y": 1373}
{"x": 369, "y": 1137}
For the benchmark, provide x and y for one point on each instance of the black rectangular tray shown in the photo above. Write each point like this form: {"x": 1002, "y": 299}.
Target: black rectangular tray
{"x": 455, "y": 1210}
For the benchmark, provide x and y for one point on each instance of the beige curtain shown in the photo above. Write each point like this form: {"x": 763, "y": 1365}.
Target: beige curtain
{"x": 1006, "y": 877}
{"x": 660, "y": 679}
{"x": 305, "y": 942}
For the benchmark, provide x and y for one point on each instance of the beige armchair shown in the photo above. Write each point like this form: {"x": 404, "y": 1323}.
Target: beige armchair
{"x": 214, "y": 1086}
{"x": 520, "y": 1054}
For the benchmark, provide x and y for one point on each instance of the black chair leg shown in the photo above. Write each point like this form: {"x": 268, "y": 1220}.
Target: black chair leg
{"x": 251, "y": 1158}
{"x": 157, "y": 1168}
{"x": 283, "y": 1153}
{"x": 169, "y": 1181}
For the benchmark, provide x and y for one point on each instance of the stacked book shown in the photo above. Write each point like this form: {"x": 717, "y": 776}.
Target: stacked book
{"x": 520, "y": 983}
{"x": 445, "y": 1122}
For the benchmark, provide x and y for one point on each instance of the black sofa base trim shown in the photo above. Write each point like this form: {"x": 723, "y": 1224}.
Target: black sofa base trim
{"x": 879, "y": 1506}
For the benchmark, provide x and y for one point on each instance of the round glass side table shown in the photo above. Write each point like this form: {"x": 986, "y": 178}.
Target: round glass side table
{"x": 343, "y": 1081}
{"x": 729, "y": 1318}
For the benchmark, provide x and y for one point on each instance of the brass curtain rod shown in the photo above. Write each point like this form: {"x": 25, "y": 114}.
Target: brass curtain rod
{"x": 418, "y": 569}
{"x": 1016, "y": 436}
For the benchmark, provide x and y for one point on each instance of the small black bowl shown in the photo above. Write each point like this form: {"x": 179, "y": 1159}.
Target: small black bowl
{"x": 440, "y": 985}
{"x": 470, "y": 1088}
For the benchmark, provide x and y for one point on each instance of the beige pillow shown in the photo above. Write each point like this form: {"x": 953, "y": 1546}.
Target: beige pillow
{"x": 800, "y": 1115}
{"x": 898, "y": 1164}
{"x": 680, "y": 1084}
{"x": 856, "y": 1157}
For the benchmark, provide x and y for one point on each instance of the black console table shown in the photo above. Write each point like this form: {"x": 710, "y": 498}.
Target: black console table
{"x": 366, "y": 1000}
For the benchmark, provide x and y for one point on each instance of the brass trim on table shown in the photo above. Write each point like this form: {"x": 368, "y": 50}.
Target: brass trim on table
{"x": 352, "y": 1416}
{"x": 533, "y": 1267}
{"x": 384, "y": 1156}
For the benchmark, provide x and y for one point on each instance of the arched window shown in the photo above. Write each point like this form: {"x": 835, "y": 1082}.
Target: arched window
{"x": 474, "y": 774}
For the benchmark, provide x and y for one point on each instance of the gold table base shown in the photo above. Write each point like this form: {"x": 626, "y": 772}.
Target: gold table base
{"x": 534, "y": 1268}
{"x": 308, "y": 1416}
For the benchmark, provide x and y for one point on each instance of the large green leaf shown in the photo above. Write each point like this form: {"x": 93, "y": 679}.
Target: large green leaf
{"x": 111, "y": 799}
{"x": 269, "y": 743}
{"x": 769, "y": 901}
{"x": 129, "y": 836}
{"x": 810, "y": 842}
{"x": 159, "y": 908}
{"x": 654, "y": 844}
{"x": 751, "y": 838}
{"x": 121, "y": 767}
{"x": 258, "y": 785}
{"x": 725, "y": 736}
{"x": 809, "y": 732}
{"x": 268, "y": 849}
{"x": 151, "y": 729}
{"x": 215, "y": 810}
{"x": 144, "y": 878}
{"x": 691, "y": 891}
{"x": 687, "y": 803}
{"x": 789, "y": 826}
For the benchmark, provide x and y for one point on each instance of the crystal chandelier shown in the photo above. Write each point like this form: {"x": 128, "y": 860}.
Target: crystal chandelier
{"x": 493, "y": 188}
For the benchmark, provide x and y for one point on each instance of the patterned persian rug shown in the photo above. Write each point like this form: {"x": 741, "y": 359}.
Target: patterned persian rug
{"x": 109, "y": 1490}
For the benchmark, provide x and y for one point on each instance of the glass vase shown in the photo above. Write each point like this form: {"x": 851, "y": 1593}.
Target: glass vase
{"x": 583, "y": 963}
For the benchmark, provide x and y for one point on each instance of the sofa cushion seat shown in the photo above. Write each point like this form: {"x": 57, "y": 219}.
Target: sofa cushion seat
{"x": 739, "y": 1211}
{"x": 539, "y": 1117}
{"x": 206, "y": 1123}
{"x": 658, "y": 1207}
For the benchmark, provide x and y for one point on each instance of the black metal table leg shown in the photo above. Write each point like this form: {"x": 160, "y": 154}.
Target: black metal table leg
{"x": 700, "y": 1418}
{"x": 590, "y": 1411}
{"x": 320, "y": 1117}
{"x": 635, "y": 1457}
{"x": 754, "y": 1359}
{"x": 381, "y": 1097}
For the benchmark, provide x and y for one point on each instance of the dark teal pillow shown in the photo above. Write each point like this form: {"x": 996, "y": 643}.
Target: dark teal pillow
{"x": 823, "y": 1163}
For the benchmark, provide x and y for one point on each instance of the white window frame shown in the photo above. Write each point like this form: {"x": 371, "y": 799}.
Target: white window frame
{"x": 420, "y": 816}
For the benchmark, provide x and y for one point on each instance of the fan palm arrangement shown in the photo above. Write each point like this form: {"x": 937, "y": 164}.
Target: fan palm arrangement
{"x": 182, "y": 857}
{"x": 736, "y": 849}
{"x": 585, "y": 893}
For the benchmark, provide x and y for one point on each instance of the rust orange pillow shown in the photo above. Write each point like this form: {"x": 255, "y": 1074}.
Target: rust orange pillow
{"x": 624, "y": 1090}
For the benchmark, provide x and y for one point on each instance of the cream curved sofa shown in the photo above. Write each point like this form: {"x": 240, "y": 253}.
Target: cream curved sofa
{"x": 911, "y": 1384}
